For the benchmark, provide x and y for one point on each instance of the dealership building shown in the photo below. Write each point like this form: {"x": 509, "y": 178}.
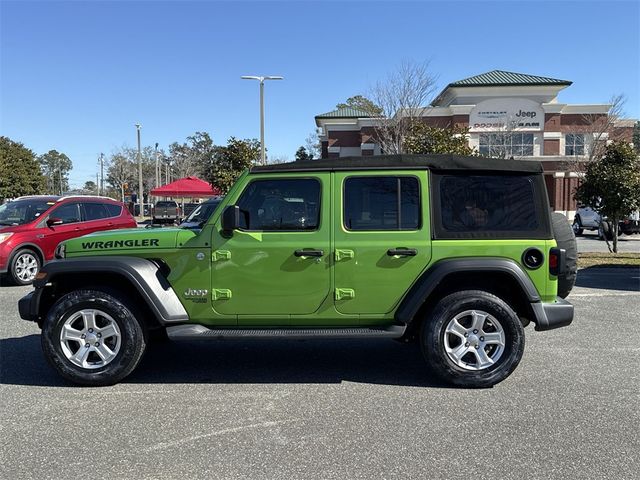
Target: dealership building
{"x": 508, "y": 114}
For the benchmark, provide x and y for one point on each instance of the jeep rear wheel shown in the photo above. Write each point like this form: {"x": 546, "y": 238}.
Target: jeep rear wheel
{"x": 472, "y": 339}
{"x": 92, "y": 338}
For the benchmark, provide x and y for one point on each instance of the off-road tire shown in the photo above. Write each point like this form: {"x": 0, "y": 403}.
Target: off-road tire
{"x": 432, "y": 339}
{"x": 566, "y": 239}
{"x": 12, "y": 271}
{"x": 133, "y": 341}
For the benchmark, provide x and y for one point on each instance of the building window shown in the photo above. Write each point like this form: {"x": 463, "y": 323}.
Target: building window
{"x": 505, "y": 145}
{"x": 382, "y": 203}
{"x": 574, "y": 144}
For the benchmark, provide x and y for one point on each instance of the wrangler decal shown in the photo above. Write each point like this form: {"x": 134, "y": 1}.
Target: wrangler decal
{"x": 146, "y": 242}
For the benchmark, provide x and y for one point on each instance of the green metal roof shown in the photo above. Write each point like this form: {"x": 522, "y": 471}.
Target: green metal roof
{"x": 347, "y": 112}
{"x": 503, "y": 78}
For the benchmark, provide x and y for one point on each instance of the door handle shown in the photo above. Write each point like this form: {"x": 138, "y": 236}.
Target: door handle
{"x": 309, "y": 253}
{"x": 402, "y": 252}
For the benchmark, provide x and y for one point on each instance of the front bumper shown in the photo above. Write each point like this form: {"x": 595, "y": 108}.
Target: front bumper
{"x": 29, "y": 305}
{"x": 552, "y": 315}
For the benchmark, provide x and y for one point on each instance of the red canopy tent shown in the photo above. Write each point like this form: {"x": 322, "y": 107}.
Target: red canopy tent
{"x": 186, "y": 187}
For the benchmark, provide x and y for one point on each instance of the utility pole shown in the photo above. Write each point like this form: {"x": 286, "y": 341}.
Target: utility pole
{"x": 157, "y": 168}
{"x": 140, "y": 194}
{"x": 101, "y": 184}
{"x": 261, "y": 79}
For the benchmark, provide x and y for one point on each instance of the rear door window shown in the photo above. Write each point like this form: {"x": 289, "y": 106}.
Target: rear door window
{"x": 382, "y": 203}
{"x": 94, "y": 211}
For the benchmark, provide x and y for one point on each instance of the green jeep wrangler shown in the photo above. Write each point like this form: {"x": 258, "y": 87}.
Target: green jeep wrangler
{"x": 456, "y": 253}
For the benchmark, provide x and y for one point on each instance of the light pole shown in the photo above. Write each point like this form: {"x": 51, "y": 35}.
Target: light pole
{"x": 140, "y": 201}
{"x": 261, "y": 79}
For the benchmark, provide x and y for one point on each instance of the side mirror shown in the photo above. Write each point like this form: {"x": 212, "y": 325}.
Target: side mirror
{"x": 230, "y": 219}
{"x": 51, "y": 221}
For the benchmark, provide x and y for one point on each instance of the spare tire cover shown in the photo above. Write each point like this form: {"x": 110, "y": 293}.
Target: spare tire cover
{"x": 566, "y": 239}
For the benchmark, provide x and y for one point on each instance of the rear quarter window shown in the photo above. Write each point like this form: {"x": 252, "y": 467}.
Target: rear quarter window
{"x": 489, "y": 206}
{"x": 113, "y": 210}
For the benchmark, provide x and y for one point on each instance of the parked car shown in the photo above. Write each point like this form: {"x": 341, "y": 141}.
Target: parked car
{"x": 201, "y": 214}
{"x": 165, "y": 211}
{"x": 586, "y": 218}
{"x": 457, "y": 254}
{"x": 31, "y": 228}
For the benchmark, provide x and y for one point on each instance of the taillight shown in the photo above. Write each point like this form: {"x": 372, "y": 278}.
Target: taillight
{"x": 556, "y": 260}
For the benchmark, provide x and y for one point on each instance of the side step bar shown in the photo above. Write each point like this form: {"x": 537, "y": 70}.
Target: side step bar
{"x": 191, "y": 332}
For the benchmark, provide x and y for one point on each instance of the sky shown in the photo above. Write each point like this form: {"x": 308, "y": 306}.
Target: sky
{"x": 76, "y": 76}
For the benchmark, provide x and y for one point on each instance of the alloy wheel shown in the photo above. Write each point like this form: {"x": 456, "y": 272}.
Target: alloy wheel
{"x": 474, "y": 340}
{"x": 90, "y": 338}
{"x": 26, "y": 267}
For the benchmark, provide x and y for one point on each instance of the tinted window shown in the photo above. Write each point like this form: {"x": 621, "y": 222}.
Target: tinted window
{"x": 202, "y": 212}
{"x": 69, "y": 213}
{"x": 23, "y": 211}
{"x": 113, "y": 210}
{"x": 94, "y": 211}
{"x": 488, "y": 204}
{"x": 382, "y": 203}
{"x": 164, "y": 204}
{"x": 280, "y": 205}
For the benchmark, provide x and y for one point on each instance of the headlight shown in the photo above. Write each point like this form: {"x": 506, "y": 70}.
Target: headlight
{"x": 5, "y": 236}
{"x": 61, "y": 251}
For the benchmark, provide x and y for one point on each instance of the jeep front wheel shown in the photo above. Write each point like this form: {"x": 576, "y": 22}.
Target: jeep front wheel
{"x": 472, "y": 339}
{"x": 92, "y": 338}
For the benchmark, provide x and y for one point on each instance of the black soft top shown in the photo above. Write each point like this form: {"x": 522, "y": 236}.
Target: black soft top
{"x": 406, "y": 162}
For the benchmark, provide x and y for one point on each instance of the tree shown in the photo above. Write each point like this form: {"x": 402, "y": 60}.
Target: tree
{"x": 402, "y": 100}
{"x": 313, "y": 145}
{"x": 636, "y": 137}
{"x": 231, "y": 160}
{"x": 20, "y": 172}
{"x": 120, "y": 172}
{"x": 423, "y": 139}
{"x": 183, "y": 158}
{"x": 611, "y": 185}
{"x": 302, "y": 155}
{"x": 90, "y": 187}
{"x": 597, "y": 129}
{"x": 56, "y": 167}
{"x": 360, "y": 102}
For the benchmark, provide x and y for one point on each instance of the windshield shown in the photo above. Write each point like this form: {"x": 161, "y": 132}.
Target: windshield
{"x": 202, "y": 212}
{"x": 23, "y": 211}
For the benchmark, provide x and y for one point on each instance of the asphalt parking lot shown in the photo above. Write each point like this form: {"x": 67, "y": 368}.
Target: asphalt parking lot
{"x": 335, "y": 409}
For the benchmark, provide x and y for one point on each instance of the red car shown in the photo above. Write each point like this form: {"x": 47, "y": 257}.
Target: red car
{"x": 32, "y": 227}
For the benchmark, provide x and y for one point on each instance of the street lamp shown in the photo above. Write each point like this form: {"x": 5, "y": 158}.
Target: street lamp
{"x": 139, "y": 173}
{"x": 261, "y": 80}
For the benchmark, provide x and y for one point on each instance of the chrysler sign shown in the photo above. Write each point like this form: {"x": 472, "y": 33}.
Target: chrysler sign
{"x": 519, "y": 114}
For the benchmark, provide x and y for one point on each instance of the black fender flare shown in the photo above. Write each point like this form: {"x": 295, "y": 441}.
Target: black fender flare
{"x": 420, "y": 291}
{"x": 143, "y": 274}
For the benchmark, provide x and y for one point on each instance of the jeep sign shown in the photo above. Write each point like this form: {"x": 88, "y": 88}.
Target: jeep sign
{"x": 518, "y": 114}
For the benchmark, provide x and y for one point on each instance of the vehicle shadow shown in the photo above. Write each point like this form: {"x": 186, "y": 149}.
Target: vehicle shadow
{"x": 378, "y": 361}
{"x": 612, "y": 277}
